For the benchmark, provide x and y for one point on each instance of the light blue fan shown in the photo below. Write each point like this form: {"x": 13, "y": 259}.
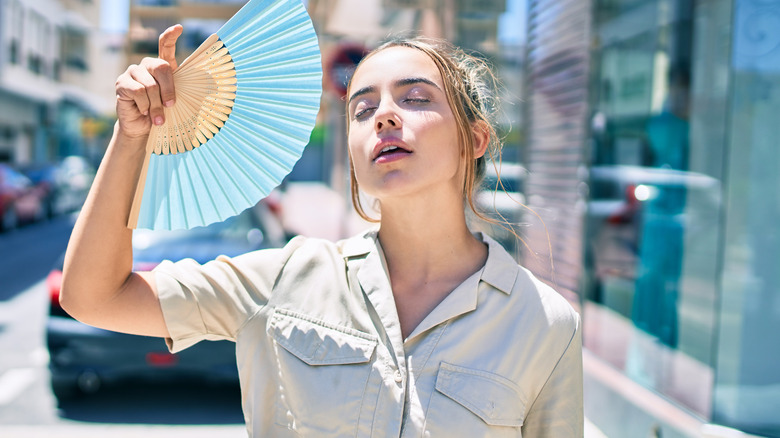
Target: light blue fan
{"x": 246, "y": 103}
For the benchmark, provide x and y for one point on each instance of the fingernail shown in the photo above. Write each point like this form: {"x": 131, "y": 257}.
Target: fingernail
{"x": 168, "y": 102}
{"x": 158, "y": 120}
{"x": 146, "y": 113}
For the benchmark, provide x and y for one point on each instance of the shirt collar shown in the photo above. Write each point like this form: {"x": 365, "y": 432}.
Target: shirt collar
{"x": 359, "y": 245}
{"x": 500, "y": 269}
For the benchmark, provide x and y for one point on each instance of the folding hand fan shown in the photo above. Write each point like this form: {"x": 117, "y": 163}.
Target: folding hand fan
{"x": 246, "y": 102}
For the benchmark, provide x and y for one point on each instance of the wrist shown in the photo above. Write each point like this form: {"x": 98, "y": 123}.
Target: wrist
{"x": 129, "y": 138}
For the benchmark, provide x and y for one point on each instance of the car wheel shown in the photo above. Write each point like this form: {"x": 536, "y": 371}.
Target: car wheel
{"x": 65, "y": 389}
{"x": 10, "y": 220}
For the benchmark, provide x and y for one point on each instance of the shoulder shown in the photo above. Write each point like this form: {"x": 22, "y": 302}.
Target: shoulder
{"x": 541, "y": 308}
{"x": 315, "y": 248}
{"x": 553, "y": 310}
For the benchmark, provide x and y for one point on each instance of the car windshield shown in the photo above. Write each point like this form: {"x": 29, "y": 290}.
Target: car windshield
{"x": 509, "y": 184}
{"x": 236, "y": 228}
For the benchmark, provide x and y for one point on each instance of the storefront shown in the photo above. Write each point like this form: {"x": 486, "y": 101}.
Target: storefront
{"x": 667, "y": 112}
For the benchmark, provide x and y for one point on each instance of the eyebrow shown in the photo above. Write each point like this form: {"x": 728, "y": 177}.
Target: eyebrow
{"x": 399, "y": 83}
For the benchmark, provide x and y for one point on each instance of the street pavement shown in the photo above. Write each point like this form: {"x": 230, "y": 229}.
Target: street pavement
{"x": 80, "y": 430}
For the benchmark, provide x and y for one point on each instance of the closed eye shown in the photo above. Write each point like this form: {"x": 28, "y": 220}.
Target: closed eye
{"x": 363, "y": 113}
{"x": 416, "y": 100}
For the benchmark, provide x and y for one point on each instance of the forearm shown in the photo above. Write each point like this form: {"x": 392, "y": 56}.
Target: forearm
{"x": 99, "y": 257}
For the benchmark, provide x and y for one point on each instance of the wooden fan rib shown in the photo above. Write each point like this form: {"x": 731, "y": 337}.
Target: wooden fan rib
{"x": 172, "y": 131}
{"x": 221, "y": 113}
{"x": 204, "y": 52}
{"x": 212, "y": 44}
{"x": 206, "y": 127}
{"x": 185, "y": 124}
{"x": 223, "y": 62}
{"x": 192, "y": 75}
{"x": 225, "y": 95}
{"x": 215, "y": 100}
{"x": 190, "y": 107}
{"x": 210, "y": 116}
{"x": 178, "y": 131}
{"x": 224, "y": 75}
{"x": 223, "y": 67}
{"x": 169, "y": 137}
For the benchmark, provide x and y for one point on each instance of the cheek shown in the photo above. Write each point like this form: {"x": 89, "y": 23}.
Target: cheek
{"x": 357, "y": 154}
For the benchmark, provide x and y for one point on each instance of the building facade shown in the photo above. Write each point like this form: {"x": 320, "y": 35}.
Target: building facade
{"x": 53, "y": 59}
{"x": 654, "y": 157}
{"x": 200, "y": 18}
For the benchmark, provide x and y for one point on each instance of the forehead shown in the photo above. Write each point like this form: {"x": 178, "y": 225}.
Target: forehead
{"x": 394, "y": 63}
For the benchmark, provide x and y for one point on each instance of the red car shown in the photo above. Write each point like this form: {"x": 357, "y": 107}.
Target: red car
{"x": 20, "y": 200}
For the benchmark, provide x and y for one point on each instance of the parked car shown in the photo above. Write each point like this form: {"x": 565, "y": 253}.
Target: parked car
{"x": 74, "y": 178}
{"x": 44, "y": 176}
{"x": 65, "y": 184}
{"x": 637, "y": 221}
{"x": 21, "y": 201}
{"x": 82, "y": 358}
{"x": 502, "y": 198}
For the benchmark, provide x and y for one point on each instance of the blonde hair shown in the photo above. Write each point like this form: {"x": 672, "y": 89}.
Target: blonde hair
{"x": 470, "y": 87}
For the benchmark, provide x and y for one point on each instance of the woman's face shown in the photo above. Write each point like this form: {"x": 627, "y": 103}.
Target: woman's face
{"x": 402, "y": 132}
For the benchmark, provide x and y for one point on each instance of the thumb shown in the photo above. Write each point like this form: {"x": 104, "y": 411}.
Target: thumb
{"x": 167, "y": 44}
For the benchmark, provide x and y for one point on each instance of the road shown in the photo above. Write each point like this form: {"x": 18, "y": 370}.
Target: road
{"x": 27, "y": 407}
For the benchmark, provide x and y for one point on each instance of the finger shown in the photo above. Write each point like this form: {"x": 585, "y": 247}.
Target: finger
{"x": 130, "y": 90}
{"x": 163, "y": 75}
{"x": 167, "y": 44}
{"x": 152, "y": 88}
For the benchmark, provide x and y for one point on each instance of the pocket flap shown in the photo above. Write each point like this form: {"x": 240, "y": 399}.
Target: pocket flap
{"x": 319, "y": 343}
{"x": 495, "y": 399}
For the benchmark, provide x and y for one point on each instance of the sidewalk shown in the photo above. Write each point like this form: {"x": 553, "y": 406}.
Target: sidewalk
{"x": 85, "y": 430}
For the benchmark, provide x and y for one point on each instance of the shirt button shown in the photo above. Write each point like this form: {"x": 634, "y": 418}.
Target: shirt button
{"x": 398, "y": 377}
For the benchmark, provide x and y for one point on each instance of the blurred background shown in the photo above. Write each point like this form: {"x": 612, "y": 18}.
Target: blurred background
{"x": 641, "y": 165}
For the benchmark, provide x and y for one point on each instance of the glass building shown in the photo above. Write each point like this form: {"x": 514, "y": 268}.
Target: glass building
{"x": 654, "y": 158}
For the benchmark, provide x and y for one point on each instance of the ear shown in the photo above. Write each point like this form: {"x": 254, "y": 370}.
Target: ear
{"x": 481, "y": 133}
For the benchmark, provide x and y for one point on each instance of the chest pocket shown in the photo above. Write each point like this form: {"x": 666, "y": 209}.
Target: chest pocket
{"x": 323, "y": 370}
{"x": 496, "y": 404}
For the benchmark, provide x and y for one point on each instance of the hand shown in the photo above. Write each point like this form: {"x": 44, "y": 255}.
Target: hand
{"x": 142, "y": 90}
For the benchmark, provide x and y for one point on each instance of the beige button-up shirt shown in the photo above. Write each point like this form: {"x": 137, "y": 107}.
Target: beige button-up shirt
{"x": 320, "y": 351}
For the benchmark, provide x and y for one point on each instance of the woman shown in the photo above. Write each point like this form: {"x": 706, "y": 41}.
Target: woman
{"x": 417, "y": 328}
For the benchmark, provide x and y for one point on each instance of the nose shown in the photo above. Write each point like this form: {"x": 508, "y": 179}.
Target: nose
{"x": 386, "y": 118}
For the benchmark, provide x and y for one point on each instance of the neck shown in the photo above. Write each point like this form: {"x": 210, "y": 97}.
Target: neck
{"x": 428, "y": 237}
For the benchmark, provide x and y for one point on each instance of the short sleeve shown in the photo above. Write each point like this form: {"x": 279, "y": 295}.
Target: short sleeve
{"x": 557, "y": 412}
{"x": 212, "y": 301}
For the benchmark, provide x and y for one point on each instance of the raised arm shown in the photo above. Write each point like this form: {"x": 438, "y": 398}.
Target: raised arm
{"x": 99, "y": 287}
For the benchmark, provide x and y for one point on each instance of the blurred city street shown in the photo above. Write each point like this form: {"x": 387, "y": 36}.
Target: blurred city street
{"x": 639, "y": 177}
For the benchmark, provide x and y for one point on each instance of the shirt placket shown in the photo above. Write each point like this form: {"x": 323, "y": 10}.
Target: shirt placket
{"x": 388, "y": 382}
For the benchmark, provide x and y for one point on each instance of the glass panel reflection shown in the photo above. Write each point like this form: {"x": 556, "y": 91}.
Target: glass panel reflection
{"x": 653, "y": 216}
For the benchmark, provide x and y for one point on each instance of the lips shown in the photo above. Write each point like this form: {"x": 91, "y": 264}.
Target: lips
{"x": 390, "y": 149}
